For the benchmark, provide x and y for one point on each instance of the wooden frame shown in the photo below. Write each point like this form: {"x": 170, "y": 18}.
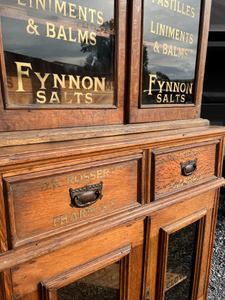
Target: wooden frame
{"x": 47, "y": 118}
{"x": 172, "y": 218}
{"x": 165, "y": 232}
{"x": 51, "y": 285}
{"x": 150, "y": 113}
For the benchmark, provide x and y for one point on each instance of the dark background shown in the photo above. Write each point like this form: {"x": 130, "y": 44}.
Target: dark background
{"x": 213, "y": 109}
{"x": 213, "y": 99}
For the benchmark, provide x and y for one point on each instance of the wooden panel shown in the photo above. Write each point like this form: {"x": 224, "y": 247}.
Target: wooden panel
{"x": 167, "y": 216}
{"x": 40, "y": 203}
{"x": 26, "y": 277}
{"x": 169, "y": 175}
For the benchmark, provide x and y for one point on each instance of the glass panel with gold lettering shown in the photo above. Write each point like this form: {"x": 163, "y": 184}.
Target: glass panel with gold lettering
{"x": 169, "y": 51}
{"x": 59, "y": 53}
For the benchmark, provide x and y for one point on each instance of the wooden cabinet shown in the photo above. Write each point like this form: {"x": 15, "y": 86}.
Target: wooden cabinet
{"x": 138, "y": 228}
{"x": 93, "y": 206}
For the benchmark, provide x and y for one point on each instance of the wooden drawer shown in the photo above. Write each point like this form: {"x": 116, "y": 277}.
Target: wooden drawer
{"x": 181, "y": 167}
{"x": 41, "y": 204}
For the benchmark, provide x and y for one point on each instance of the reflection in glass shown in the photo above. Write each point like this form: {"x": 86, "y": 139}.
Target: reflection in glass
{"x": 180, "y": 263}
{"x": 58, "y": 52}
{"x": 170, "y": 44}
{"x": 102, "y": 284}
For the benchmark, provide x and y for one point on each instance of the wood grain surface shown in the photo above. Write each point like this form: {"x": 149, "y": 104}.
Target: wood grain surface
{"x": 39, "y": 203}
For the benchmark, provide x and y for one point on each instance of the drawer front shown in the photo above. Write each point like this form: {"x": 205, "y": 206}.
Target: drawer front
{"x": 179, "y": 167}
{"x": 45, "y": 203}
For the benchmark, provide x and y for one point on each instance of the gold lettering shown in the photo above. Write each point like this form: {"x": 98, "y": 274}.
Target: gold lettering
{"x": 54, "y": 98}
{"x": 100, "y": 18}
{"x": 42, "y": 3}
{"x": 80, "y": 178}
{"x": 41, "y": 95}
{"x": 150, "y": 83}
{"x": 73, "y": 216}
{"x": 45, "y": 185}
{"x": 99, "y": 84}
{"x": 42, "y": 79}
{"x": 88, "y": 98}
{"x": 84, "y": 14}
{"x": 100, "y": 208}
{"x": 70, "y": 180}
{"x": 91, "y": 210}
{"x": 74, "y": 81}
{"x": 63, "y": 218}
{"x": 93, "y": 38}
{"x": 113, "y": 203}
{"x": 50, "y": 28}
{"x": 55, "y": 221}
{"x": 165, "y": 48}
{"x": 19, "y": 3}
{"x": 61, "y": 33}
{"x": 92, "y": 175}
{"x": 159, "y": 98}
{"x": 82, "y": 37}
{"x": 105, "y": 205}
{"x": 60, "y": 8}
{"x": 82, "y": 213}
{"x": 161, "y": 85}
{"x": 105, "y": 173}
{"x": 71, "y": 39}
{"x": 86, "y": 177}
{"x": 84, "y": 84}
{"x": 72, "y": 8}
{"x": 65, "y": 98}
{"x": 56, "y": 182}
{"x": 60, "y": 81}
{"x": 152, "y": 23}
{"x": 99, "y": 173}
{"x": 92, "y": 14}
{"x": 19, "y": 66}
{"x": 78, "y": 96}
{"x": 169, "y": 86}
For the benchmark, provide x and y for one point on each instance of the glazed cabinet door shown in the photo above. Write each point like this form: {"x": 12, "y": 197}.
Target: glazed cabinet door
{"x": 108, "y": 264}
{"x": 62, "y": 63}
{"x": 167, "y": 59}
{"x": 178, "y": 244}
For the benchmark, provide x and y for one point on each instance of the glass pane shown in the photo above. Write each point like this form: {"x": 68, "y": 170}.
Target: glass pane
{"x": 180, "y": 263}
{"x": 59, "y": 52}
{"x": 169, "y": 51}
{"x": 103, "y": 284}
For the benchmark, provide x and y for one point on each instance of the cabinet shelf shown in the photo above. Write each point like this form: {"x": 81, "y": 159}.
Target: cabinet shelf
{"x": 172, "y": 279}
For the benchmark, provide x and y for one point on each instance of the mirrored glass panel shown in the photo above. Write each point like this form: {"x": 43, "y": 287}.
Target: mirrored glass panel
{"x": 180, "y": 263}
{"x": 59, "y": 53}
{"x": 103, "y": 284}
{"x": 170, "y": 41}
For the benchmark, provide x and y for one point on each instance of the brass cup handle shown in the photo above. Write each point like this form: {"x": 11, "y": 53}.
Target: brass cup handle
{"x": 188, "y": 167}
{"x": 86, "y": 195}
